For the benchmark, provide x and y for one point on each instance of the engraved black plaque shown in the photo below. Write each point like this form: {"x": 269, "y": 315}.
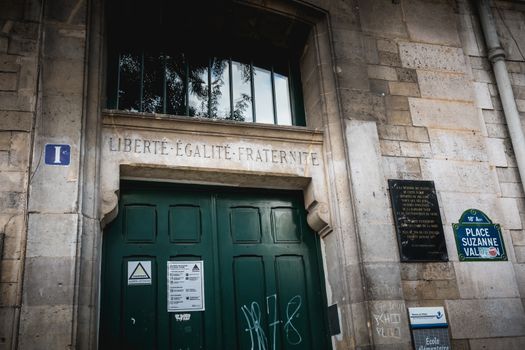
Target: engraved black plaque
{"x": 418, "y": 221}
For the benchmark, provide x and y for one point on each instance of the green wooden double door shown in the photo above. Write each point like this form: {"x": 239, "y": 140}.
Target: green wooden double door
{"x": 261, "y": 271}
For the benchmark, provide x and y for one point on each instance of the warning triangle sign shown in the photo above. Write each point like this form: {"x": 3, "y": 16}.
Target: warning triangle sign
{"x": 195, "y": 268}
{"x": 139, "y": 273}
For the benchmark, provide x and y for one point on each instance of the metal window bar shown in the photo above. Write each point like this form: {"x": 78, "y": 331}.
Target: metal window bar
{"x": 141, "y": 96}
{"x": 117, "y": 97}
{"x": 252, "y": 86}
{"x": 230, "y": 78}
{"x": 186, "y": 87}
{"x": 273, "y": 97}
{"x": 210, "y": 60}
{"x": 164, "y": 84}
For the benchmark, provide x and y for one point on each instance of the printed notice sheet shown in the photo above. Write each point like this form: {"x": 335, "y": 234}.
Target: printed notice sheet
{"x": 185, "y": 286}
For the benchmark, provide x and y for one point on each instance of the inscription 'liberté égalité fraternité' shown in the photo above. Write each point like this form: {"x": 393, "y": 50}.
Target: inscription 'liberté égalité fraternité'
{"x": 224, "y": 152}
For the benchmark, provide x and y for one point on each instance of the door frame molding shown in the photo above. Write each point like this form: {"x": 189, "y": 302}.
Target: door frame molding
{"x": 333, "y": 216}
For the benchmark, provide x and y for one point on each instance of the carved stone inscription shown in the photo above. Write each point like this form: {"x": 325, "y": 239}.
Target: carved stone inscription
{"x": 418, "y": 221}
{"x": 225, "y": 152}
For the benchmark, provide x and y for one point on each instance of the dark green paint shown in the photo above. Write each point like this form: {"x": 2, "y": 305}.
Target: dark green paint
{"x": 263, "y": 278}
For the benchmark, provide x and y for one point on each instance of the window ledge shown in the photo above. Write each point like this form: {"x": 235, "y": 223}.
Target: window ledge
{"x": 217, "y": 127}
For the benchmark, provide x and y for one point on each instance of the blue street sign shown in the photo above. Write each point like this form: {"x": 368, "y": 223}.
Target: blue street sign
{"x": 57, "y": 154}
{"x": 477, "y": 238}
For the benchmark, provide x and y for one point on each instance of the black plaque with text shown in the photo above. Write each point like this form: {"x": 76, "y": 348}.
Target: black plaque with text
{"x": 418, "y": 221}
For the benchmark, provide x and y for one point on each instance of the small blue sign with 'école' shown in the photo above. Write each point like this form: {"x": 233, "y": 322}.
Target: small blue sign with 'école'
{"x": 57, "y": 154}
{"x": 477, "y": 238}
{"x": 427, "y": 317}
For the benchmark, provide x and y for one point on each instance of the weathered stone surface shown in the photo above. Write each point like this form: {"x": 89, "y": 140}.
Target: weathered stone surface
{"x": 432, "y": 57}
{"x": 52, "y": 235}
{"x": 511, "y": 190}
{"x": 401, "y": 168}
{"x": 460, "y": 176}
{"x": 429, "y": 22}
{"x": 417, "y": 134}
{"x": 488, "y": 314}
{"x": 520, "y": 277}
{"x": 7, "y": 316}
{"x": 8, "y": 81}
{"x": 457, "y": 145}
{"x": 352, "y": 75}
{"x": 501, "y": 211}
{"x": 398, "y": 103}
{"x": 49, "y": 281}
{"x": 406, "y": 75}
{"x": 509, "y": 24}
{"x": 375, "y": 228}
{"x": 482, "y": 96}
{"x": 398, "y": 118}
{"x": 447, "y": 86}
{"x": 389, "y": 59}
{"x": 379, "y": 87}
{"x": 12, "y": 181}
{"x": 444, "y": 115}
{"x": 497, "y": 131}
{"x": 468, "y": 38}
{"x": 5, "y": 141}
{"x": 423, "y": 271}
{"x": 389, "y": 322}
{"x": 496, "y": 152}
{"x": 62, "y": 76}
{"x": 483, "y": 76}
{"x": 382, "y": 17}
{"x": 415, "y": 149}
{"x": 370, "y": 46}
{"x": 12, "y": 120}
{"x": 392, "y": 132}
{"x": 387, "y": 45}
{"x": 10, "y": 271}
{"x": 390, "y": 148}
{"x": 12, "y": 202}
{"x": 508, "y": 174}
{"x": 64, "y": 42}
{"x": 362, "y": 105}
{"x": 493, "y": 117}
{"x": 8, "y": 294}
{"x": 33, "y": 333}
{"x": 383, "y": 281}
{"x": 517, "y": 79}
{"x": 403, "y": 89}
{"x": 482, "y": 280}
{"x": 430, "y": 290}
{"x": 517, "y": 343}
{"x": 13, "y": 101}
{"x": 382, "y": 72}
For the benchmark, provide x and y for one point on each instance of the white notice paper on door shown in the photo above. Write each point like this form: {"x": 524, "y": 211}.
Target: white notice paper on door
{"x": 185, "y": 286}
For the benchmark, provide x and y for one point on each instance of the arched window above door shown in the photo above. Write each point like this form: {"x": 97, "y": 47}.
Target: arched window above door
{"x": 205, "y": 60}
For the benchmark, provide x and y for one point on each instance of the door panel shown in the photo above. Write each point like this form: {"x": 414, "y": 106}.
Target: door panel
{"x": 262, "y": 280}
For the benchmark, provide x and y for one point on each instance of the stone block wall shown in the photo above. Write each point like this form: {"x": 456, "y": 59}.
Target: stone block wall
{"x": 19, "y": 52}
{"x": 42, "y": 63}
{"x": 433, "y": 104}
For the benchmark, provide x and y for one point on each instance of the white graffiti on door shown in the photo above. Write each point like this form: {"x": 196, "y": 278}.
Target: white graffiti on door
{"x": 258, "y": 338}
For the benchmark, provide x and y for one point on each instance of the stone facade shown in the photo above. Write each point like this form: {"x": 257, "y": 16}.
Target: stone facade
{"x": 392, "y": 90}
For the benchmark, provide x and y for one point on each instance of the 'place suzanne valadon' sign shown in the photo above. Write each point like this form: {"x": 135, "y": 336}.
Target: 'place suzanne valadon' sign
{"x": 477, "y": 238}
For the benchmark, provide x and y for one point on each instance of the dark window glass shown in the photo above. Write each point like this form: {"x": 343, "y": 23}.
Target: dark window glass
{"x": 263, "y": 96}
{"x": 184, "y": 58}
{"x": 175, "y": 67}
{"x": 282, "y": 100}
{"x": 130, "y": 73}
{"x": 152, "y": 100}
{"x": 220, "y": 89}
{"x": 242, "y": 92}
{"x": 198, "y": 88}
